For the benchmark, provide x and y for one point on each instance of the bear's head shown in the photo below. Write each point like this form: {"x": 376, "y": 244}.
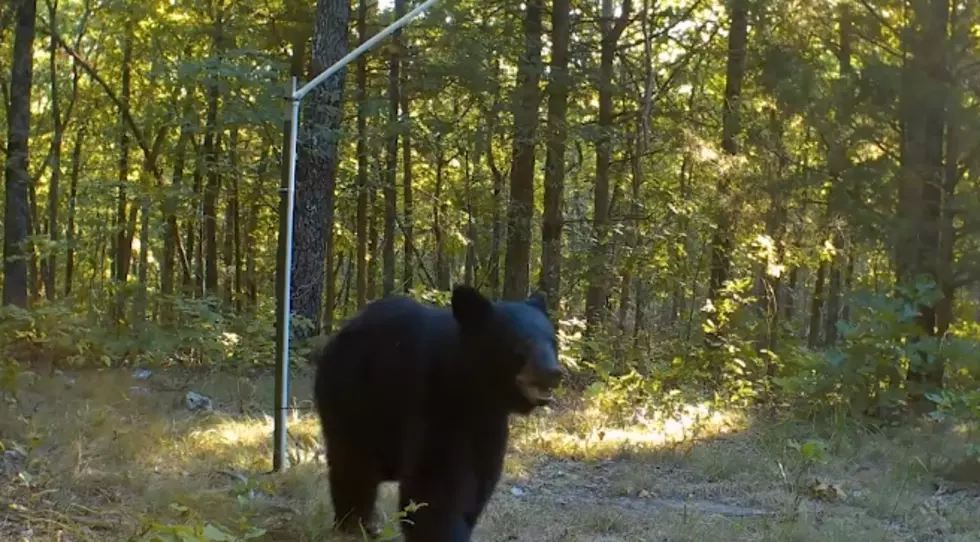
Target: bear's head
{"x": 512, "y": 345}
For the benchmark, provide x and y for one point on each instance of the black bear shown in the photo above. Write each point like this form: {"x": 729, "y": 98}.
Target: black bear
{"x": 421, "y": 395}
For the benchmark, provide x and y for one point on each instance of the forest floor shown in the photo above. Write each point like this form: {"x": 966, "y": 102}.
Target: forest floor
{"x": 105, "y": 455}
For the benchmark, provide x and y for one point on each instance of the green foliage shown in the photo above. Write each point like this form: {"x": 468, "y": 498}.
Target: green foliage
{"x": 389, "y": 529}
{"x": 865, "y": 372}
{"x": 195, "y": 530}
{"x": 810, "y": 453}
{"x": 196, "y": 333}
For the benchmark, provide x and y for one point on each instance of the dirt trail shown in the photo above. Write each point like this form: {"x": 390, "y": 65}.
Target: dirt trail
{"x": 567, "y": 482}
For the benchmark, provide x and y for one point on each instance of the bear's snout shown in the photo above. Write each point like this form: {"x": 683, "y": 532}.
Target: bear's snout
{"x": 549, "y": 377}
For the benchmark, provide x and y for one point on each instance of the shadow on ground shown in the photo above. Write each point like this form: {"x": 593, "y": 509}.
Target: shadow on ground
{"x": 101, "y": 455}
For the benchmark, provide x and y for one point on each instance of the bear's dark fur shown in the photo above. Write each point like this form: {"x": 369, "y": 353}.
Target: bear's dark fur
{"x": 421, "y": 395}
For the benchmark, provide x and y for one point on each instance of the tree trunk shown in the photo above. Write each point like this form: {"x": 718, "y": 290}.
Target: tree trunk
{"x": 438, "y": 211}
{"x": 638, "y": 152}
{"x": 316, "y": 172}
{"x": 251, "y": 280}
{"x": 212, "y": 143}
{"x": 123, "y": 246}
{"x": 845, "y": 313}
{"x": 140, "y": 306}
{"x": 557, "y": 133}
{"x": 16, "y": 206}
{"x": 36, "y": 229}
{"x": 839, "y": 163}
{"x": 391, "y": 161}
{"x": 816, "y": 304}
{"x": 233, "y": 232}
{"x": 595, "y": 297}
{"x": 227, "y": 237}
{"x": 236, "y": 219}
{"x": 528, "y": 98}
{"x": 722, "y": 238}
{"x": 635, "y": 206}
{"x": 408, "y": 275}
{"x": 362, "y": 165}
{"x": 196, "y": 283}
{"x": 70, "y": 234}
{"x": 372, "y": 268}
{"x": 768, "y": 285}
{"x": 170, "y": 220}
{"x": 639, "y": 321}
{"x": 50, "y": 261}
{"x": 925, "y": 95}
{"x": 469, "y": 265}
{"x": 789, "y": 297}
{"x": 497, "y": 197}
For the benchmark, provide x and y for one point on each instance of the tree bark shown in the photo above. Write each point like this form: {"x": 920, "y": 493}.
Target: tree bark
{"x": 362, "y": 165}
{"x": 122, "y": 252}
{"x": 598, "y": 273}
{"x": 170, "y": 219}
{"x": 527, "y": 100}
{"x": 70, "y": 233}
{"x": 722, "y": 238}
{"x": 372, "y": 268}
{"x": 50, "y": 261}
{"x": 497, "y": 197}
{"x": 195, "y": 284}
{"x": 408, "y": 252}
{"x": 921, "y": 198}
{"x": 17, "y": 179}
{"x": 839, "y": 163}
{"x": 438, "y": 211}
{"x": 316, "y": 173}
{"x": 554, "y": 169}
{"x": 251, "y": 226}
{"x": 816, "y": 304}
{"x": 140, "y": 305}
{"x": 233, "y": 235}
{"x": 391, "y": 160}
{"x": 470, "y": 262}
{"x": 212, "y": 143}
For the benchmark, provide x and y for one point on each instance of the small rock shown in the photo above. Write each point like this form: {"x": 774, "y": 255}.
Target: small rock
{"x": 517, "y": 492}
{"x": 12, "y": 462}
{"x": 139, "y": 390}
{"x": 142, "y": 374}
{"x": 197, "y": 401}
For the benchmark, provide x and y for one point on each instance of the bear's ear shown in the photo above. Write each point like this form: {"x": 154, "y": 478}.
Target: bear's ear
{"x": 469, "y": 305}
{"x": 539, "y": 301}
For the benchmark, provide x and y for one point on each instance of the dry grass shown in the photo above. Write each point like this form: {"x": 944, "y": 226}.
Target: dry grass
{"x": 108, "y": 456}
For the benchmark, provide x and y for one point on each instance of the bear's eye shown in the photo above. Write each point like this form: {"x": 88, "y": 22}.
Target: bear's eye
{"x": 524, "y": 349}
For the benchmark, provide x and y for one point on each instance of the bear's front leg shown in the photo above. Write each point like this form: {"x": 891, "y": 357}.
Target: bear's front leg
{"x": 439, "y": 479}
{"x": 486, "y": 463}
{"x": 454, "y": 476}
{"x": 442, "y": 499}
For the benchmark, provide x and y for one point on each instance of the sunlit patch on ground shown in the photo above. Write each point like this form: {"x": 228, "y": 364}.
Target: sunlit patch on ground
{"x": 106, "y": 457}
{"x": 582, "y": 435}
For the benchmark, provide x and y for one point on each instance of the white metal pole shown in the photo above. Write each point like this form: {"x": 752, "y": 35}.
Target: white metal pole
{"x": 283, "y": 406}
{"x": 296, "y": 97}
